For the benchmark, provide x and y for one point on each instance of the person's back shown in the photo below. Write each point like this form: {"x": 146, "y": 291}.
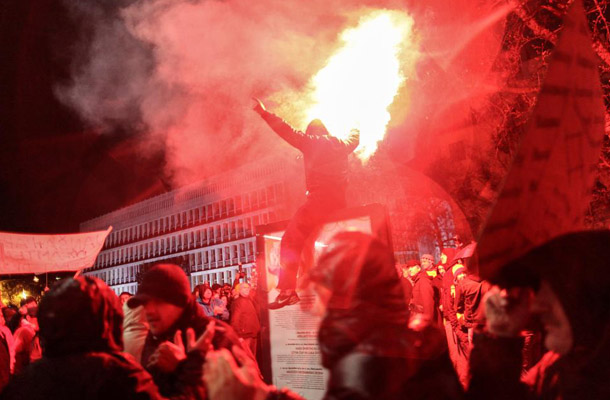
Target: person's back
{"x": 325, "y": 156}
{"x": 471, "y": 290}
{"x": 27, "y": 345}
{"x": 135, "y": 330}
{"x": 364, "y": 339}
{"x": 95, "y": 375}
{"x": 326, "y": 164}
{"x": 80, "y": 330}
{"x": 5, "y": 356}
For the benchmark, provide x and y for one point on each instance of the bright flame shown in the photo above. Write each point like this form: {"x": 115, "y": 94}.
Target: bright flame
{"x": 361, "y": 80}
{"x": 24, "y": 294}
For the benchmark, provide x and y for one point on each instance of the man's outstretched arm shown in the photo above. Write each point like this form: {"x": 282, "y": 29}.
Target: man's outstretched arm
{"x": 282, "y": 128}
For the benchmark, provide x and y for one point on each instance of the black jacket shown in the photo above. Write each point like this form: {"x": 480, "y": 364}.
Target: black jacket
{"x": 364, "y": 337}
{"x": 325, "y": 156}
{"x": 469, "y": 299}
{"x": 186, "y": 379}
{"x": 245, "y": 318}
{"x": 95, "y": 376}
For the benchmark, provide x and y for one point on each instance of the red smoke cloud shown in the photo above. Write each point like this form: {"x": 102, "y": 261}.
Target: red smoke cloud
{"x": 183, "y": 72}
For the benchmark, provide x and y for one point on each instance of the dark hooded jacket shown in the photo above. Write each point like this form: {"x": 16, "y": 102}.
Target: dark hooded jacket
{"x": 186, "y": 379}
{"x": 469, "y": 300}
{"x": 364, "y": 339}
{"x": 576, "y": 266}
{"x": 325, "y": 156}
{"x": 80, "y": 332}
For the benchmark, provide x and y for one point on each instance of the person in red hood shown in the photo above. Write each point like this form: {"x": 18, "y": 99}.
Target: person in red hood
{"x": 326, "y": 166}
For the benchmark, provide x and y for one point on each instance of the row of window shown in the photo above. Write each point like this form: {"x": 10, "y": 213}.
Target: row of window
{"x": 206, "y": 236}
{"x": 221, "y": 209}
{"x": 118, "y": 275}
{"x": 220, "y": 277}
{"x": 222, "y": 256}
{"x": 202, "y": 260}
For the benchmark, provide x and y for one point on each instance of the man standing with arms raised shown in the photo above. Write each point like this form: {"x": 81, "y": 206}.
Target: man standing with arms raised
{"x": 326, "y": 165}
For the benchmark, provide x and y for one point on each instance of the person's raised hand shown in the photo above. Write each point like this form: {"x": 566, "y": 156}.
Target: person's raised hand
{"x": 507, "y": 311}
{"x": 168, "y": 355}
{"x": 259, "y": 107}
{"x": 204, "y": 342}
{"x": 225, "y": 380}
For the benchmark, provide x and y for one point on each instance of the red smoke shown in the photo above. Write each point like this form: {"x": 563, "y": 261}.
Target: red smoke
{"x": 211, "y": 57}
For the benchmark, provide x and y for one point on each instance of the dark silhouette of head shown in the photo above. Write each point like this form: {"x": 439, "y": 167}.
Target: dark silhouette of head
{"x": 80, "y": 315}
{"x": 316, "y": 128}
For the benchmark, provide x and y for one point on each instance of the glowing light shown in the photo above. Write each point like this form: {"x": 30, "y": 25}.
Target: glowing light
{"x": 24, "y": 294}
{"x": 36, "y": 279}
{"x": 361, "y": 80}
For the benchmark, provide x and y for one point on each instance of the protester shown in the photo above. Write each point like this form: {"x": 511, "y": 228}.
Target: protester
{"x": 27, "y": 344}
{"x": 7, "y": 352}
{"x": 427, "y": 264}
{"x": 469, "y": 299}
{"x": 407, "y": 285}
{"x": 135, "y": 330}
{"x": 457, "y": 339}
{"x": 245, "y": 317}
{"x": 123, "y": 297}
{"x": 171, "y": 313}
{"x": 364, "y": 340}
{"x": 9, "y": 312}
{"x": 224, "y": 306}
{"x": 326, "y": 167}
{"x": 204, "y": 299}
{"x": 446, "y": 255}
{"x": 569, "y": 275}
{"x": 423, "y": 300}
{"x": 80, "y": 330}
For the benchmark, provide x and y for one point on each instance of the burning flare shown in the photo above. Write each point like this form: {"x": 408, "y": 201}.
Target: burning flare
{"x": 361, "y": 80}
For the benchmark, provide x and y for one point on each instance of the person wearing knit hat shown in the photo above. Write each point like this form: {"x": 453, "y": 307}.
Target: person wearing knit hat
{"x": 427, "y": 264}
{"x": 174, "y": 318}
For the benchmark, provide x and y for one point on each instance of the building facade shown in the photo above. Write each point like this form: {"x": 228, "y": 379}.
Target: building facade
{"x": 207, "y": 228}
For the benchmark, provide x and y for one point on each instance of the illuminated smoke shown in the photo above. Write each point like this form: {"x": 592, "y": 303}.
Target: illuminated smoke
{"x": 360, "y": 81}
{"x": 181, "y": 73}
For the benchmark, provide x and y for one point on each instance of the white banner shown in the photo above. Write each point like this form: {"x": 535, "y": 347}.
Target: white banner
{"x": 33, "y": 253}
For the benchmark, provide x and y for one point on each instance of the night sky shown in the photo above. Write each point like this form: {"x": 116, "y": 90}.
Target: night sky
{"x": 55, "y": 171}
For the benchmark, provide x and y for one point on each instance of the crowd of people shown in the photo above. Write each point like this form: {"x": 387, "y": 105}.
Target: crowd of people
{"x": 383, "y": 335}
{"x": 431, "y": 331}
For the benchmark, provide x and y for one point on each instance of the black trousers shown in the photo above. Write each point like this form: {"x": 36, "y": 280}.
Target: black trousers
{"x": 317, "y": 208}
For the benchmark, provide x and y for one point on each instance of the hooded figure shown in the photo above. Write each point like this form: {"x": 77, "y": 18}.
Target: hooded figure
{"x": 80, "y": 332}
{"x": 573, "y": 269}
{"x": 363, "y": 337}
{"x": 326, "y": 168}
